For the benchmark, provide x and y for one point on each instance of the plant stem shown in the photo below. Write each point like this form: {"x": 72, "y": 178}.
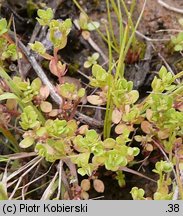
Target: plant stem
{"x": 108, "y": 114}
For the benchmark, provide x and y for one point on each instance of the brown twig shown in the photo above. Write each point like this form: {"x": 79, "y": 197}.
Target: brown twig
{"x": 93, "y": 44}
{"x": 167, "y": 6}
{"x": 125, "y": 169}
{"x": 73, "y": 171}
{"x": 91, "y": 121}
{"x": 39, "y": 71}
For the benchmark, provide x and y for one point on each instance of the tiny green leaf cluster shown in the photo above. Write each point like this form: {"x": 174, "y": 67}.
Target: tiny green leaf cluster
{"x": 58, "y": 30}
{"x": 3, "y": 26}
{"x": 91, "y": 60}
{"x": 111, "y": 153}
{"x": 86, "y": 25}
{"x": 28, "y": 90}
{"x": 162, "y": 168}
{"x": 70, "y": 92}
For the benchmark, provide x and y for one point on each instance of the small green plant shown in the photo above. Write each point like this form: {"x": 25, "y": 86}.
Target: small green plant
{"x": 137, "y": 194}
{"x": 58, "y": 33}
{"x": 85, "y": 24}
{"x": 177, "y": 41}
{"x": 8, "y": 50}
{"x": 162, "y": 168}
{"x": 3, "y": 26}
{"x": 164, "y": 182}
{"x": 91, "y": 60}
{"x": 28, "y": 90}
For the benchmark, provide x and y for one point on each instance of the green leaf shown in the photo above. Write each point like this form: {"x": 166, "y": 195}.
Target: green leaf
{"x": 81, "y": 159}
{"x": 3, "y": 191}
{"x": 36, "y": 84}
{"x": 87, "y": 64}
{"x": 45, "y": 16}
{"x": 137, "y": 194}
{"x": 57, "y": 128}
{"x": 81, "y": 92}
{"x": 26, "y": 142}
{"x": 8, "y": 95}
{"x": 65, "y": 27}
{"x": 83, "y": 20}
{"x": 101, "y": 77}
{"x": 95, "y": 56}
{"x": 163, "y": 166}
{"x": 92, "y": 136}
{"x": 93, "y": 26}
{"x": 133, "y": 96}
{"x": 163, "y": 72}
{"x": 109, "y": 143}
{"x": 29, "y": 118}
{"x": 178, "y": 47}
{"x": 11, "y": 53}
{"x": 3, "y": 26}
{"x": 38, "y": 47}
{"x": 115, "y": 159}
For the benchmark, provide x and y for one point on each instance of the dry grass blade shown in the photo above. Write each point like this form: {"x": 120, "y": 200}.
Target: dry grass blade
{"x": 51, "y": 188}
{"x": 21, "y": 177}
{"x": 60, "y": 167}
{"x": 20, "y": 155}
{"x": 94, "y": 45}
{"x": 125, "y": 169}
{"x": 23, "y": 168}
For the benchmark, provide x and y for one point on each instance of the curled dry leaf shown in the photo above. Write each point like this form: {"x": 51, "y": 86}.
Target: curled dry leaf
{"x": 138, "y": 138}
{"x": 46, "y": 107}
{"x": 149, "y": 147}
{"x": 98, "y": 185}
{"x": 84, "y": 195}
{"x": 121, "y": 127}
{"x": 54, "y": 113}
{"x": 116, "y": 116}
{"x": 85, "y": 184}
{"x": 146, "y": 127}
{"x": 163, "y": 134}
{"x": 127, "y": 108}
{"x": 149, "y": 114}
{"x": 82, "y": 130}
{"x": 57, "y": 68}
{"x": 95, "y": 100}
{"x": 44, "y": 92}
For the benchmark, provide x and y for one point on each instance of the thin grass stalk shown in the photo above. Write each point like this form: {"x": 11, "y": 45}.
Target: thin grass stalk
{"x": 121, "y": 29}
{"x": 120, "y": 65}
{"x": 108, "y": 114}
{"x": 111, "y": 30}
{"x": 135, "y": 28}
